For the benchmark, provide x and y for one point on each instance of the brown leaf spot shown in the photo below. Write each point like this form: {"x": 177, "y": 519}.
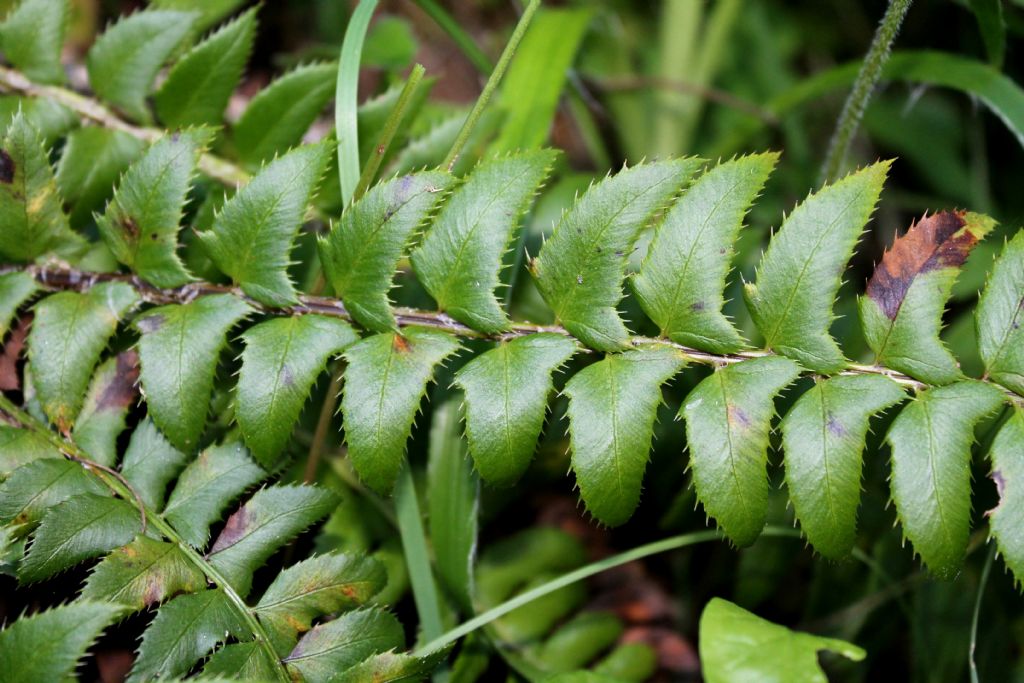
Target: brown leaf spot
{"x": 400, "y": 344}
{"x": 120, "y": 392}
{"x": 835, "y": 427}
{"x": 235, "y": 529}
{"x": 130, "y": 226}
{"x": 6, "y": 168}
{"x": 737, "y": 416}
{"x": 697, "y": 306}
{"x": 11, "y": 353}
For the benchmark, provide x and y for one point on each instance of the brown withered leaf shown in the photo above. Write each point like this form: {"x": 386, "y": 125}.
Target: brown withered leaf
{"x": 11, "y": 353}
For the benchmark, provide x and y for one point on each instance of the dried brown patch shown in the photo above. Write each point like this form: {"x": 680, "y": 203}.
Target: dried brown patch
{"x": 401, "y": 344}
{"x": 7, "y": 168}
{"x": 10, "y": 379}
{"x": 121, "y": 391}
{"x": 235, "y": 529}
{"x": 130, "y": 227}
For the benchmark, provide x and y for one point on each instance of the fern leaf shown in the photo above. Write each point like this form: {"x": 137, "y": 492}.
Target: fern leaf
{"x": 69, "y": 332}
{"x": 184, "y": 630}
{"x": 612, "y": 407}
{"x": 143, "y": 573}
{"x": 32, "y": 37}
{"x": 386, "y": 378}
{"x": 150, "y": 463}
{"x": 799, "y": 276}
{"x": 395, "y": 667}
{"x": 200, "y": 84}
{"x": 681, "y": 282}
{"x": 581, "y": 267}
{"x": 124, "y": 60}
{"x": 178, "y": 351}
{"x": 281, "y": 360}
{"x": 507, "y": 391}
{"x": 209, "y": 11}
{"x": 1000, "y": 318}
{"x": 141, "y": 222}
{"x": 901, "y": 311}
{"x": 34, "y": 488}
{"x": 320, "y": 585}
{"x": 80, "y": 528}
{"x": 1007, "y": 527}
{"x": 823, "y": 437}
{"x": 331, "y": 649}
{"x": 46, "y": 646}
{"x": 252, "y": 236}
{"x": 90, "y": 165}
{"x": 267, "y": 521}
{"x": 32, "y": 220}
{"x": 280, "y": 114}
{"x": 931, "y": 476}
{"x": 102, "y": 418}
{"x": 460, "y": 258}
{"x": 240, "y": 661}
{"x": 20, "y": 446}
{"x": 728, "y": 418}
{"x": 15, "y": 289}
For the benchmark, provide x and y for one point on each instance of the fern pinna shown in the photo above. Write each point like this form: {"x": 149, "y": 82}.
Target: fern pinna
{"x": 134, "y": 296}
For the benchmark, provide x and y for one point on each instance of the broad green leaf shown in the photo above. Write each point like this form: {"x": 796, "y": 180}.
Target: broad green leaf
{"x": 385, "y": 381}
{"x": 823, "y": 437}
{"x": 581, "y": 266}
{"x": 69, "y": 332}
{"x": 281, "y": 361}
{"x": 682, "y": 279}
{"x": 633, "y": 662}
{"x": 150, "y": 463}
{"x": 931, "y": 469}
{"x": 34, "y": 488}
{"x": 332, "y": 648}
{"x": 728, "y": 419}
{"x": 141, "y": 222}
{"x": 737, "y": 646}
{"x": 509, "y": 564}
{"x": 320, "y": 585}
{"x": 178, "y": 350}
{"x": 460, "y": 258}
{"x": 47, "y": 646}
{"x": 507, "y": 391}
{"x": 210, "y": 11}
{"x": 199, "y": 86}
{"x": 15, "y": 289}
{"x": 184, "y": 630}
{"x": 989, "y": 15}
{"x": 1000, "y": 318}
{"x": 32, "y": 37}
{"x": 20, "y": 446}
{"x": 102, "y": 419}
{"x": 143, "y": 573}
{"x": 395, "y": 667}
{"x": 124, "y": 60}
{"x": 1005, "y": 521}
{"x": 32, "y": 220}
{"x": 252, "y": 236}
{"x": 612, "y": 407}
{"x": 90, "y": 166}
{"x": 80, "y": 528}
{"x": 901, "y": 311}
{"x": 360, "y": 253}
{"x": 240, "y": 661}
{"x": 268, "y": 520}
{"x": 281, "y": 113}
{"x": 574, "y": 644}
{"x": 800, "y": 274}
{"x": 206, "y": 487}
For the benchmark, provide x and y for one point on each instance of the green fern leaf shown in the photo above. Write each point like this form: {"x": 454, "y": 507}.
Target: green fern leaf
{"x": 507, "y": 391}
{"x": 90, "y": 166}
{"x": 210, "y": 11}
{"x": 69, "y": 332}
{"x": 150, "y": 463}
{"x": 281, "y": 360}
{"x": 386, "y": 378}
{"x": 1000, "y": 318}
{"x": 395, "y": 667}
{"x": 46, "y": 646}
{"x": 102, "y": 418}
{"x": 143, "y": 573}
{"x": 184, "y": 630}
{"x": 34, "y": 488}
{"x": 240, "y": 661}
{"x": 124, "y": 60}
{"x": 268, "y": 520}
{"x": 19, "y": 447}
{"x": 206, "y": 487}
{"x": 680, "y": 284}
{"x": 178, "y": 351}
{"x": 799, "y": 276}
{"x": 580, "y": 268}
{"x": 901, "y": 311}
{"x": 460, "y": 258}
{"x": 612, "y": 407}
{"x": 52, "y": 119}
{"x": 280, "y": 114}
{"x": 32, "y": 37}
{"x": 141, "y": 222}
{"x": 823, "y": 436}
{"x": 728, "y": 418}
{"x": 82, "y": 527}
{"x": 199, "y": 86}
{"x": 15, "y": 289}
{"x": 32, "y": 220}
{"x": 320, "y": 585}
{"x": 1007, "y": 527}
{"x": 252, "y": 236}
{"x": 361, "y": 253}
{"x": 330, "y": 649}
{"x": 931, "y": 475}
